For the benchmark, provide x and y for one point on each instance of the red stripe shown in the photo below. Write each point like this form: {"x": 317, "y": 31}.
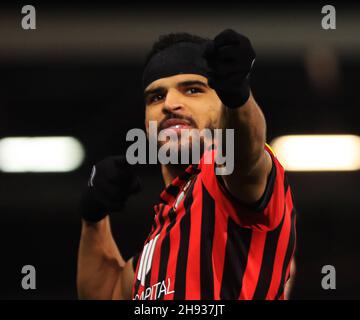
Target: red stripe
{"x": 174, "y": 238}
{"x": 177, "y": 182}
{"x": 175, "y": 235}
{"x": 166, "y": 197}
{"x": 281, "y": 249}
{"x": 156, "y": 256}
{"x": 252, "y": 271}
{"x": 265, "y": 220}
{"x": 219, "y": 248}
{"x": 192, "y": 288}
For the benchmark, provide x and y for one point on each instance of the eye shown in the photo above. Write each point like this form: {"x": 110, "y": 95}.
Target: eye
{"x": 155, "y": 98}
{"x": 193, "y": 90}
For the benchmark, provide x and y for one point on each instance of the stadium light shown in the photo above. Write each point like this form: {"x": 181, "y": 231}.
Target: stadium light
{"x": 318, "y": 152}
{"x": 40, "y": 154}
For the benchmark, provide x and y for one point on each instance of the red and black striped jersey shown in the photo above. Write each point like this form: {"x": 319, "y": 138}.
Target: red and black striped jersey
{"x": 205, "y": 244}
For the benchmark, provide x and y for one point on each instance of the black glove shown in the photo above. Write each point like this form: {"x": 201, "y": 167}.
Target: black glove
{"x": 111, "y": 182}
{"x": 230, "y": 58}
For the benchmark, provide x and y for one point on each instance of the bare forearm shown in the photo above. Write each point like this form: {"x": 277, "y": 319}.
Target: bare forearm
{"x": 99, "y": 261}
{"x": 249, "y": 127}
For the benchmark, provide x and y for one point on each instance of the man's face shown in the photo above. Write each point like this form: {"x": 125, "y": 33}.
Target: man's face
{"x": 182, "y": 101}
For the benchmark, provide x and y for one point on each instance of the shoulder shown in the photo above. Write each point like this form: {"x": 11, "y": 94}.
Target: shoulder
{"x": 266, "y": 211}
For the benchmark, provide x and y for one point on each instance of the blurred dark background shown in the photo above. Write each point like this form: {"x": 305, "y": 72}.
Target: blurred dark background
{"x": 78, "y": 74}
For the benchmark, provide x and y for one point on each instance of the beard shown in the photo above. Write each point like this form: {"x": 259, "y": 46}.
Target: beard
{"x": 185, "y": 146}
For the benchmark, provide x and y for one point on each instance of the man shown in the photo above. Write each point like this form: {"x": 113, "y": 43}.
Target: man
{"x": 214, "y": 236}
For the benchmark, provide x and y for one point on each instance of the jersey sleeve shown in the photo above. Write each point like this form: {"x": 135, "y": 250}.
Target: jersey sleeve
{"x": 266, "y": 213}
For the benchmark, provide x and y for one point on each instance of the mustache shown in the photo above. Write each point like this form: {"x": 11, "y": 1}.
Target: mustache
{"x": 190, "y": 120}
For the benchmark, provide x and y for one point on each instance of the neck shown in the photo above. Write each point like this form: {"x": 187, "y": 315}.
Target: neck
{"x": 171, "y": 171}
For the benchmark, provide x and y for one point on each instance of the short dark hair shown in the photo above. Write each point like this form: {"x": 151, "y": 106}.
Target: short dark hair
{"x": 167, "y": 40}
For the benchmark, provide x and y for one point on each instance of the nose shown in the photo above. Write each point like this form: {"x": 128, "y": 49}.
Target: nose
{"x": 173, "y": 101}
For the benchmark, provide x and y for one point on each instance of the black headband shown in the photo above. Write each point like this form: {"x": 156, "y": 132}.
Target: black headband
{"x": 180, "y": 58}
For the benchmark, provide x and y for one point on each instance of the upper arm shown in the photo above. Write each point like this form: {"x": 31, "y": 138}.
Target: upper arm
{"x": 250, "y": 188}
{"x": 124, "y": 283}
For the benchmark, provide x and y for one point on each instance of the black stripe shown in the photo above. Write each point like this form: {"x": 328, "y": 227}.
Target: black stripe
{"x": 186, "y": 176}
{"x": 236, "y": 255}
{"x": 172, "y": 190}
{"x": 180, "y": 276}
{"x": 206, "y": 245}
{"x": 161, "y": 218}
{"x": 165, "y": 251}
{"x": 267, "y": 264}
{"x": 262, "y": 203}
{"x": 135, "y": 260}
{"x": 137, "y": 284}
{"x": 289, "y": 251}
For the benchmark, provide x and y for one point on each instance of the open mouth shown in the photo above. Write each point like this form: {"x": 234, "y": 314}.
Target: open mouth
{"x": 175, "y": 124}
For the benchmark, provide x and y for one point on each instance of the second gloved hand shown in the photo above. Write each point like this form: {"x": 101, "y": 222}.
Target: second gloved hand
{"x": 111, "y": 182}
{"x": 230, "y": 58}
